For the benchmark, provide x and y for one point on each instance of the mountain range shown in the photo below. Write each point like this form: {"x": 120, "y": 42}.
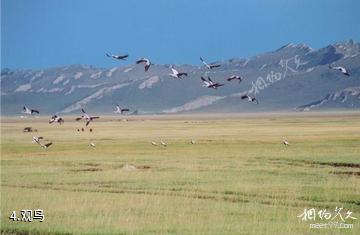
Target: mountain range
{"x": 294, "y": 77}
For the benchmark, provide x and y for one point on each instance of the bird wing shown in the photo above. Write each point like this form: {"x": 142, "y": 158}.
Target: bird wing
{"x": 244, "y": 97}
{"x": 203, "y": 61}
{"x": 214, "y": 66}
{"x": 147, "y": 66}
{"x": 34, "y": 111}
{"x": 174, "y": 71}
{"x": 182, "y": 74}
{"x": 46, "y": 145}
{"x": 142, "y": 60}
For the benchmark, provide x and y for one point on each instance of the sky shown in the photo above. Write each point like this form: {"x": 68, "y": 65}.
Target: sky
{"x": 38, "y": 34}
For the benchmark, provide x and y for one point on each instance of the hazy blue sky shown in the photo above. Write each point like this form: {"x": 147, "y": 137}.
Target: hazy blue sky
{"x": 48, "y": 33}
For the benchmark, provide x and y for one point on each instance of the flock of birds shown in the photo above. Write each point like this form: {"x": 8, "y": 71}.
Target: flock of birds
{"x": 207, "y": 82}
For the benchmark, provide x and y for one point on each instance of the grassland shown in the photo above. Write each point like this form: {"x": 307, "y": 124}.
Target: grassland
{"x": 237, "y": 179}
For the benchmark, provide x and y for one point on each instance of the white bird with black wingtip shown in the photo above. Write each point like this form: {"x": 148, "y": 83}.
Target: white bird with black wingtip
{"x": 249, "y": 98}
{"x": 117, "y": 57}
{"x": 145, "y": 61}
{"x": 86, "y": 117}
{"x": 176, "y": 74}
{"x": 341, "y": 69}
{"x": 121, "y": 110}
{"x": 57, "y": 119}
{"x": 234, "y": 77}
{"x": 38, "y": 141}
{"x": 29, "y": 111}
{"x": 209, "y": 66}
{"x": 208, "y": 83}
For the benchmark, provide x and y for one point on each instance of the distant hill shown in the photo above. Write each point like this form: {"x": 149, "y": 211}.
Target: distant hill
{"x": 293, "y": 77}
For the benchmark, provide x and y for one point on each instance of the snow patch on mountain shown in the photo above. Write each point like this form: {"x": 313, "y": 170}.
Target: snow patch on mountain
{"x": 23, "y": 88}
{"x": 149, "y": 82}
{"x": 78, "y": 75}
{"x": 202, "y": 101}
{"x": 96, "y": 75}
{"x": 66, "y": 82}
{"x": 128, "y": 70}
{"x": 59, "y": 79}
{"x": 111, "y": 71}
{"x": 72, "y": 89}
{"x": 97, "y": 95}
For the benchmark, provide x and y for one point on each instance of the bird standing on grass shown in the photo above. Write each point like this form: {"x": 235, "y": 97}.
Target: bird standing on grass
{"x": 285, "y": 142}
{"x": 163, "y": 143}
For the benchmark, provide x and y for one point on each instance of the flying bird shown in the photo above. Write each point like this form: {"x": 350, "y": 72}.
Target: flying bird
{"x": 117, "y": 57}
{"x": 341, "y": 69}
{"x": 29, "y": 111}
{"x": 121, "y": 110}
{"x": 92, "y": 144}
{"x": 234, "y": 77}
{"x": 193, "y": 142}
{"x": 154, "y": 143}
{"x": 210, "y": 84}
{"x": 146, "y": 61}
{"x": 209, "y": 66}
{"x": 176, "y": 73}
{"x": 86, "y": 118}
{"x": 28, "y": 129}
{"x": 250, "y": 99}
{"x": 38, "y": 141}
{"x": 285, "y": 142}
{"x": 57, "y": 119}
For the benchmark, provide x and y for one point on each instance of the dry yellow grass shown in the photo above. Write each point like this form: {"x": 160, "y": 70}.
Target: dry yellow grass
{"x": 237, "y": 179}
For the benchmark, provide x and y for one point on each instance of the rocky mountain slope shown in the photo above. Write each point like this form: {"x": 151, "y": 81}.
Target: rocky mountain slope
{"x": 293, "y": 77}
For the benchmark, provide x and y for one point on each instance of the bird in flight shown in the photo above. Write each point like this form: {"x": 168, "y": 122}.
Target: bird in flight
{"x": 176, "y": 73}
{"x": 29, "y": 111}
{"x": 234, "y": 77}
{"x": 146, "y": 61}
{"x": 154, "y": 143}
{"x": 210, "y": 84}
{"x": 92, "y": 144}
{"x": 117, "y": 57}
{"x": 57, "y": 119}
{"x": 341, "y": 69}
{"x": 250, "y": 99}
{"x": 209, "y": 66}
{"x": 86, "y": 117}
{"x": 38, "y": 141}
{"x": 121, "y": 110}
{"x": 193, "y": 142}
